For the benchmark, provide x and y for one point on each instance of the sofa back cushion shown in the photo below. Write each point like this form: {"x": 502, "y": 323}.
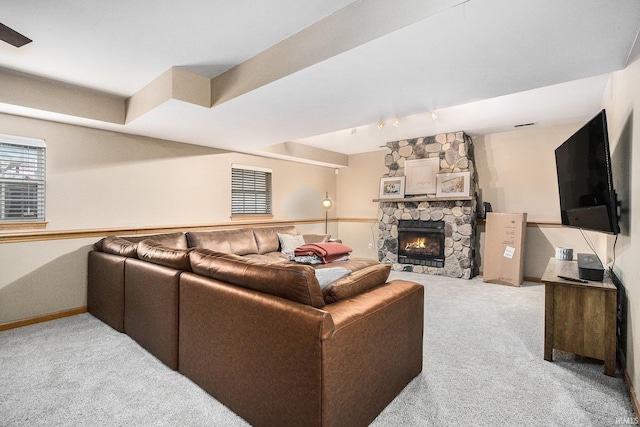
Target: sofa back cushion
{"x": 117, "y": 246}
{"x": 152, "y": 251}
{"x": 267, "y": 237}
{"x": 126, "y": 246}
{"x": 290, "y": 281}
{"x": 236, "y": 241}
{"x": 177, "y": 240}
{"x": 173, "y": 240}
{"x": 356, "y": 283}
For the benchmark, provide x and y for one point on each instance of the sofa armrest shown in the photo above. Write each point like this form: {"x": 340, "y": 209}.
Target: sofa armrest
{"x": 353, "y": 309}
{"x": 258, "y": 354}
{"x": 373, "y": 353}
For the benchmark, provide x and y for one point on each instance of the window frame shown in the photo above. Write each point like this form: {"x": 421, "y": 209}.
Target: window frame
{"x": 251, "y": 192}
{"x": 29, "y": 154}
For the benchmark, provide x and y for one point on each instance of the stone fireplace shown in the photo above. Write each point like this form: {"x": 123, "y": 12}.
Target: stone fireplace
{"x": 424, "y": 233}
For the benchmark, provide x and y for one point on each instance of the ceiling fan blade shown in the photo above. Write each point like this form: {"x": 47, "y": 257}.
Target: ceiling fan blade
{"x": 12, "y": 37}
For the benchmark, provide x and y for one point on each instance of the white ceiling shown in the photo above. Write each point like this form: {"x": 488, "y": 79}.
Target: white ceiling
{"x": 482, "y": 65}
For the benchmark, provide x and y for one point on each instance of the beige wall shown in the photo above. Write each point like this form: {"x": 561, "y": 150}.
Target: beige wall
{"x": 100, "y": 179}
{"x": 517, "y": 170}
{"x": 622, "y": 102}
{"x": 516, "y": 173}
{"x": 103, "y": 180}
{"x": 357, "y": 186}
{"x": 42, "y": 278}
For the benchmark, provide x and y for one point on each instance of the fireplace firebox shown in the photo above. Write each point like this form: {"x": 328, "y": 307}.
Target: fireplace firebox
{"x": 421, "y": 243}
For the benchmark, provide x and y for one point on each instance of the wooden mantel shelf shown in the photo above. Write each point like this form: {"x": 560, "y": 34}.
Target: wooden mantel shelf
{"x": 423, "y": 199}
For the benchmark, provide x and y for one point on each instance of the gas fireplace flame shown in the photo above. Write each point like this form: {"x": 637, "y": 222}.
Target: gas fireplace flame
{"x": 419, "y": 243}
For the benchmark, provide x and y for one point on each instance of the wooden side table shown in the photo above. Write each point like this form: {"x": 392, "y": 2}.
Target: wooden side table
{"x": 579, "y": 318}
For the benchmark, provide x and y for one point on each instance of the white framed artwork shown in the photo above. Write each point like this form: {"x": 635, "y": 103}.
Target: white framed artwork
{"x": 421, "y": 175}
{"x": 453, "y": 184}
{"x": 392, "y": 188}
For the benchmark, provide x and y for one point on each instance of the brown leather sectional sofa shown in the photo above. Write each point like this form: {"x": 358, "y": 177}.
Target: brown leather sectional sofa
{"x": 257, "y": 331}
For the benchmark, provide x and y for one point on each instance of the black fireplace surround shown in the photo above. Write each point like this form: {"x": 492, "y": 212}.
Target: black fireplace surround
{"x": 421, "y": 243}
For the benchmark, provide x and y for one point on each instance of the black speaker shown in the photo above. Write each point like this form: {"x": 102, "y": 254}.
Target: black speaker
{"x": 590, "y": 267}
{"x": 486, "y": 208}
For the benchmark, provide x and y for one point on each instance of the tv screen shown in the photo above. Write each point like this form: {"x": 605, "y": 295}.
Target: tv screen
{"x": 583, "y": 163}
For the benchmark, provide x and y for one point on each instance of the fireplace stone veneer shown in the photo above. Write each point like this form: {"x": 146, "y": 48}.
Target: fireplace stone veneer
{"x": 455, "y": 151}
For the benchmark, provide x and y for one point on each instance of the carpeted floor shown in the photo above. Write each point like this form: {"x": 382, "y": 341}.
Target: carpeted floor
{"x": 483, "y": 366}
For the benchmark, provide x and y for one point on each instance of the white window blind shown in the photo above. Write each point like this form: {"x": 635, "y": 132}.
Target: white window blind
{"x": 250, "y": 190}
{"x": 22, "y": 179}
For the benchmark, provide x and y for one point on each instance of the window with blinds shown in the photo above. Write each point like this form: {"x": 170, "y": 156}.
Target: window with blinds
{"x": 22, "y": 179}
{"x": 250, "y": 190}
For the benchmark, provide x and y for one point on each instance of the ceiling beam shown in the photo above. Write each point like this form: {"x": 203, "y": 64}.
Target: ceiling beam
{"x": 175, "y": 83}
{"x": 35, "y": 92}
{"x": 350, "y": 27}
{"x": 304, "y": 153}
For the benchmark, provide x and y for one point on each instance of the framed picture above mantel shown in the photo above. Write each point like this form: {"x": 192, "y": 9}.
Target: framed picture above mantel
{"x": 392, "y": 187}
{"x": 421, "y": 175}
{"x": 453, "y": 184}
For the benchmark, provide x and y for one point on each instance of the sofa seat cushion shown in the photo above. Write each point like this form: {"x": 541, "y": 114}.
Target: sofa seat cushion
{"x": 236, "y": 241}
{"x": 267, "y": 237}
{"x": 277, "y": 255}
{"x": 154, "y": 252}
{"x": 293, "y": 282}
{"x": 356, "y": 283}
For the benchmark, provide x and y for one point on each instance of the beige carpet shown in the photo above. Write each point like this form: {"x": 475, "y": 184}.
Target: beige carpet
{"x": 483, "y": 366}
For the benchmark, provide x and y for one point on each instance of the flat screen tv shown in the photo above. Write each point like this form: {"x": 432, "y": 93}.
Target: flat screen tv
{"x": 585, "y": 183}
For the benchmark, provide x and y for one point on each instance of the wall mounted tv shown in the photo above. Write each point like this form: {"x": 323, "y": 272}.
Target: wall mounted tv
{"x": 585, "y": 183}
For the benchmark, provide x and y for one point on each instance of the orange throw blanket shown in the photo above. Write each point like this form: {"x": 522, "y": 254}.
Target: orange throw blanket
{"x": 328, "y": 252}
